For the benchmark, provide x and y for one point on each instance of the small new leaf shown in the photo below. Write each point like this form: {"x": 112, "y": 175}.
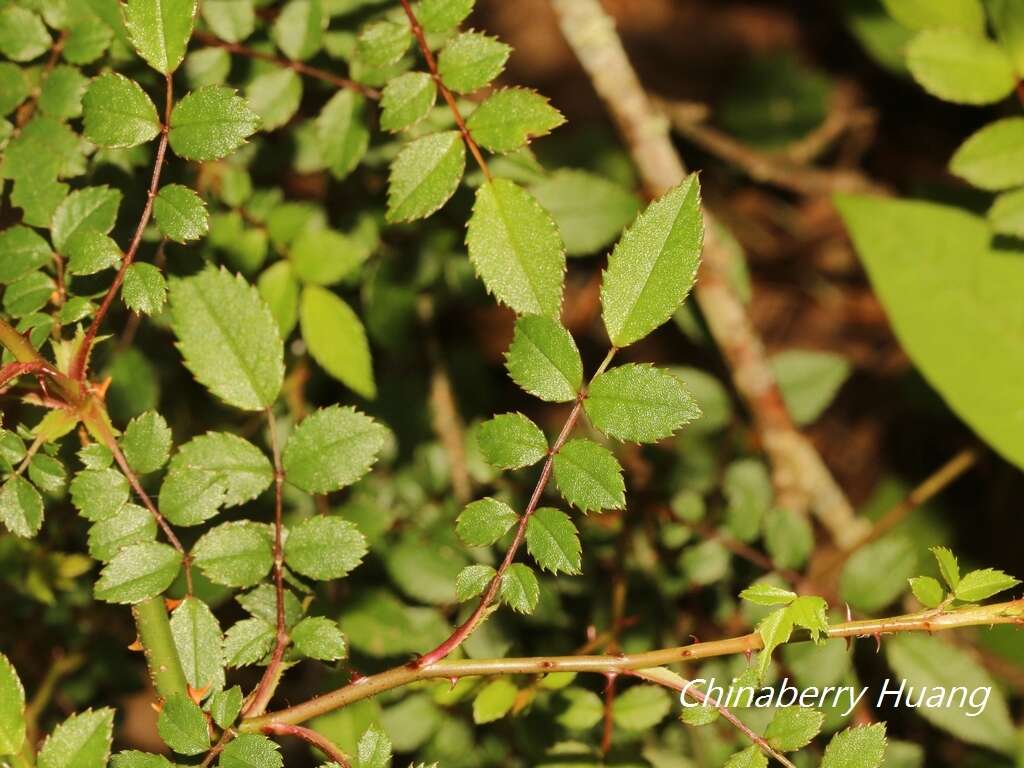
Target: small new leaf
{"x": 948, "y": 566}
{"x": 928, "y": 591}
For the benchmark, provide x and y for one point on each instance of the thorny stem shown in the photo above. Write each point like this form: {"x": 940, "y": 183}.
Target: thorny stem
{"x": 428, "y": 56}
{"x": 80, "y": 364}
{"x": 158, "y": 644}
{"x": 926, "y": 621}
{"x": 265, "y": 689}
{"x": 484, "y": 607}
{"x": 298, "y": 66}
{"x": 311, "y": 737}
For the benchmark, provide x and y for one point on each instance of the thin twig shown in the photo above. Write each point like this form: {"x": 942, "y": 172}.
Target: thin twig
{"x": 484, "y": 607}
{"x": 265, "y": 690}
{"x": 801, "y": 479}
{"x": 428, "y": 56}
{"x": 311, "y": 737}
{"x": 80, "y": 364}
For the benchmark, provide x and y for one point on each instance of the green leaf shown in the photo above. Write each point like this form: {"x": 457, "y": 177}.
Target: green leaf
{"x": 406, "y": 100}
{"x": 793, "y": 728}
{"x": 699, "y": 714}
{"x": 589, "y": 477}
{"x": 809, "y": 612}
{"x": 342, "y": 132}
{"x": 957, "y": 66}
{"x": 22, "y": 251}
{"x": 212, "y": 471}
{"x": 579, "y": 709}
{"x": 937, "y": 321}
{"x": 862, "y": 747}
{"x": 472, "y": 581}
{"x": 967, "y": 15}
{"x": 136, "y": 759}
{"x": 231, "y": 20}
{"x": 21, "y": 507}
{"x": 511, "y": 441}
{"x": 809, "y": 381}
{"x": 331, "y": 449}
{"x": 337, "y": 340}
{"x": 510, "y": 118}
{"x": 519, "y": 588}
{"x": 1008, "y": 21}
{"x": 319, "y": 638}
{"x": 982, "y": 584}
{"x": 211, "y": 123}
{"x": 485, "y": 521}
{"x": 225, "y": 706}
{"x": 471, "y": 60}
{"x": 160, "y": 30}
{"x": 147, "y": 442}
{"x": 99, "y": 494}
{"x": 180, "y": 213}
{"x": 131, "y": 525}
{"x": 774, "y": 629}
{"x": 1006, "y": 216}
{"x": 928, "y": 591}
{"x": 200, "y": 644}
{"x": 639, "y": 403}
{"x": 543, "y": 359}
{"x": 425, "y": 175}
{"x": 324, "y": 548}
{"x": 12, "y": 709}
{"x": 27, "y": 295}
{"x": 751, "y": 757}
{"x": 279, "y": 288}
{"x": 437, "y": 16}
{"x": 81, "y": 741}
{"x": 182, "y": 726}
{"x": 876, "y": 574}
{"x": 90, "y": 252}
{"x": 992, "y": 158}
{"x": 251, "y": 750}
{"x": 641, "y": 707}
{"x": 145, "y": 289}
{"x": 383, "y": 42}
{"x": 262, "y": 603}
{"x": 23, "y": 35}
{"x": 748, "y": 492}
{"x": 62, "y": 92}
{"x": 247, "y": 642}
{"x": 515, "y": 248}
{"x": 553, "y": 541}
{"x": 228, "y": 338}
{"x": 138, "y": 572}
{"x": 374, "y": 749}
{"x": 653, "y": 265}
{"x": 14, "y": 87}
{"x": 948, "y": 566}
{"x": 87, "y": 41}
{"x": 118, "y": 113}
{"x": 298, "y": 29}
{"x": 275, "y": 96}
{"x": 494, "y": 701}
{"x": 235, "y": 554}
{"x": 325, "y": 256}
{"x": 91, "y": 208}
{"x": 767, "y": 594}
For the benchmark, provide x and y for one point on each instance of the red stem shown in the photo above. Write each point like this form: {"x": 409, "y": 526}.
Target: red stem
{"x": 311, "y": 737}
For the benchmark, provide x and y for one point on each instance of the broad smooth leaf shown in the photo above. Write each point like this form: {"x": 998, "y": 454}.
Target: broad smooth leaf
{"x": 324, "y": 548}
{"x": 876, "y": 574}
{"x": 12, "y": 709}
{"x": 515, "y": 248}
{"x": 425, "y": 175}
{"x": 543, "y": 359}
{"x": 1007, "y": 18}
{"x": 406, "y": 100}
{"x": 138, "y": 572}
{"x": 510, "y": 118}
{"x": 21, "y": 507}
{"x": 231, "y": 20}
{"x": 589, "y": 477}
{"x": 919, "y": 257}
{"x": 992, "y": 157}
{"x": 1007, "y": 214}
{"x": 982, "y": 584}
{"x": 298, "y": 29}
{"x": 251, "y": 750}
{"x": 511, "y": 441}
{"x": 639, "y": 403}
{"x": 235, "y": 554}
{"x": 485, "y": 521}
{"x": 553, "y": 541}
{"x": 960, "y": 67}
{"x": 471, "y": 60}
{"x": 342, "y": 132}
{"x": 211, "y": 123}
{"x": 275, "y": 96}
{"x": 968, "y": 15}
{"x": 809, "y": 381}
{"x": 590, "y": 210}
{"x": 653, "y": 266}
{"x": 160, "y": 30}
{"x": 928, "y": 662}
{"x": 118, "y": 113}
{"x": 332, "y": 448}
{"x": 641, "y": 707}
{"x": 862, "y": 747}
{"x": 228, "y": 338}
{"x": 81, "y": 741}
{"x": 212, "y": 471}
{"x": 494, "y": 701}
{"x": 337, "y": 340}
{"x": 180, "y": 213}
{"x": 182, "y": 726}
{"x": 200, "y": 644}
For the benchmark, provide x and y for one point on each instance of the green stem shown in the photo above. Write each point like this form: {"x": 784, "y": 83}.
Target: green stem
{"x": 158, "y": 644}
{"x": 18, "y": 345}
